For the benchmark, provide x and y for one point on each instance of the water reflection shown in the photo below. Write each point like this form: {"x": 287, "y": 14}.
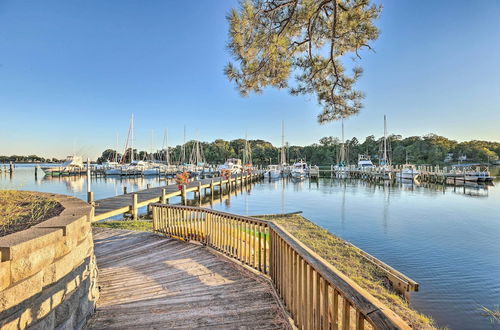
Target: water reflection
{"x": 74, "y": 184}
{"x": 445, "y": 237}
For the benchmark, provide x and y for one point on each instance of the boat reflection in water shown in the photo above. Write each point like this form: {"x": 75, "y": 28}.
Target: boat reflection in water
{"x": 74, "y": 183}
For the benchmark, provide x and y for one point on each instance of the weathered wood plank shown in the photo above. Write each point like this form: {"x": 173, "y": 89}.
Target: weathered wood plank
{"x": 151, "y": 282}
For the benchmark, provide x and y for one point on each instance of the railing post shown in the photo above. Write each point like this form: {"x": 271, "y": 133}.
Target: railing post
{"x": 212, "y": 188}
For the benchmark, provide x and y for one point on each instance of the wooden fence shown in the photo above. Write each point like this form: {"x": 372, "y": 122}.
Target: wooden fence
{"x": 315, "y": 294}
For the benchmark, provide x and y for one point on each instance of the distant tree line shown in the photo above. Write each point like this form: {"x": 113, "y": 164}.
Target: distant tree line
{"x": 27, "y": 159}
{"x": 429, "y": 149}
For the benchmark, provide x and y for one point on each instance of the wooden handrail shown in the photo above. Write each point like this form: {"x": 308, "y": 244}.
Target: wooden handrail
{"x": 316, "y": 294}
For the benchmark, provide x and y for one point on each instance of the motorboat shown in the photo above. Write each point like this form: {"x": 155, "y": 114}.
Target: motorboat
{"x": 72, "y": 165}
{"x": 299, "y": 170}
{"x": 364, "y": 162}
{"x": 273, "y": 172}
{"x": 341, "y": 171}
{"x": 233, "y": 165}
{"x": 472, "y": 173}
{"x": 408, "y": 172}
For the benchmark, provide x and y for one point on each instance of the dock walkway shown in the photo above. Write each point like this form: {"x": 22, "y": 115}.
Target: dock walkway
{"x": 111, "y": 206}
{"x": 151, "y": 282}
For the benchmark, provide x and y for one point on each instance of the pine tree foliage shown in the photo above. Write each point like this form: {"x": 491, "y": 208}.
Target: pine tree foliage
{"x": 272, "y": 39}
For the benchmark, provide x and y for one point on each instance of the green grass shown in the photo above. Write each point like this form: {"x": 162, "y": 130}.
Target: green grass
{"x": 138, "y": 225}
{"x": 22, "y": 209}
{"x": 349, "y": 261}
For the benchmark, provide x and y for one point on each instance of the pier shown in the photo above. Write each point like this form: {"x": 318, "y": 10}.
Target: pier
{"x": 129, "y": 203}
{"x": 427, "y": 174}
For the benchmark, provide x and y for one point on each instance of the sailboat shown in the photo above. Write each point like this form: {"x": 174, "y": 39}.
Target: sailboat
{"x": 247, "y": 156}
{"x": 196, "y": 159}
{"x": 275, "y": 171}
{"x": 341, "y": 170}
{"x": 168, "y": 166}
{"x": 151, "y": 166}
{"x": 117, "y": 170}
{"x": 385, "y": 160}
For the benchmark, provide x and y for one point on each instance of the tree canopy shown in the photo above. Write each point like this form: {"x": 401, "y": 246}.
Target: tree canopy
{"x": 429, "y": 149}
{"x": 272, "y": 39}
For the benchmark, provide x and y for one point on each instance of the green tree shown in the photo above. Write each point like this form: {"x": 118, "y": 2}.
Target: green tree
{"x": 271, "y": 39}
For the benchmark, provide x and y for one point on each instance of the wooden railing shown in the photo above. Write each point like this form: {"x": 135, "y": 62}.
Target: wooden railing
{"x": 315, "y": 294}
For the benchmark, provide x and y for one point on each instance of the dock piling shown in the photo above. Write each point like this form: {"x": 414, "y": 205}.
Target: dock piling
{"x": 163, "y": 198}
{"x": 183, "y": 195}
{"x": 134, "y": 206}
{"x": 90, "y": 197}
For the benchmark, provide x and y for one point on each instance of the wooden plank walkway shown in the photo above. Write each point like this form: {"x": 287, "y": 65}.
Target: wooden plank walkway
{"x": 152, "y": 282}
{"x": 111, "y": 206}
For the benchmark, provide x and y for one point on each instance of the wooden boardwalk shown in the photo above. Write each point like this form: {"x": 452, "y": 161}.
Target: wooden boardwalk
{"x": 111, "y": 206}
{"x": 151, "y": 282}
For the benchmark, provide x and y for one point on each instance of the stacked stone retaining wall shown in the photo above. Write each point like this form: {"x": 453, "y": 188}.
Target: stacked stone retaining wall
{"x": 48, "y": 274}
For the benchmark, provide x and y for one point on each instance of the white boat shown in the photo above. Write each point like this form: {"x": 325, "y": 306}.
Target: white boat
{"x": 136, "y": 167}
{"x": 151, "y": 169}
{"x": 273, "y": 172}
{"x": 111, "y": 168}
{"x": 364, "y": 162}
{"x": 314, "y": 171}
{"x": 299, "y": 170}
{"x": 472, "y": 173}
{"x": 113, "y": 171}
{"x": 341, "y": 171}
{"x": 233, "y": 165}
{"x": 408, "y": 172}
{"x": 72, "y": 165}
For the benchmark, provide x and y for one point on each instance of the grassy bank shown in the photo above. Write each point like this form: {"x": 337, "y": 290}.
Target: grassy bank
{"x": 139, "y": 225}
{"x": 21, "y": 209}
{"x": 349, "y": 261}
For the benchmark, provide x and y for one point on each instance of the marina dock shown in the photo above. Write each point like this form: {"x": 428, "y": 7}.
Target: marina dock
{"x": 129, "y": 203}
{"x": 428, "y": 174}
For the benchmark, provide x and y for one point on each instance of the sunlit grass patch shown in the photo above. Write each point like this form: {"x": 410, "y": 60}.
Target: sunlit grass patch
{"x": 20, "y": 210}
{"x": 138, "y": 225}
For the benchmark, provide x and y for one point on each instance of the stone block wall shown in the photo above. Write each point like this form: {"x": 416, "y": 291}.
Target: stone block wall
{"x": 48, "y": 273}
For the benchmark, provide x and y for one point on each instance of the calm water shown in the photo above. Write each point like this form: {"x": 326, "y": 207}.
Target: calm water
{"x": 445, "y": 238}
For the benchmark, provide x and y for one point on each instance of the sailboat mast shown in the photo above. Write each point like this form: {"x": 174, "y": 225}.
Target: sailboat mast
{"x": 245, "y": 150}
{"x": 283, "y": 156}
{"x": 342, "y": 146}
{"x": 167, "y": 158}
{"x": 152, "y": 148}
{"x": 116, "y": 148}
{"x": 132, "y": 136}
{"x": 385, "y": 140}
{"x": 183, "y": 151}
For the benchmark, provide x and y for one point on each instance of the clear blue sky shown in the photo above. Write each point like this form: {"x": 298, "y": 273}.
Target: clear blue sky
{"x": 72, "y": 72}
